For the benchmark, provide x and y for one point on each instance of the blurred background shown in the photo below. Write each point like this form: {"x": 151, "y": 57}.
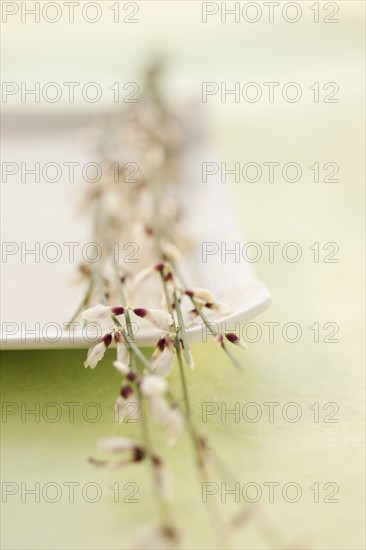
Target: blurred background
{"x": 323, "y": 369}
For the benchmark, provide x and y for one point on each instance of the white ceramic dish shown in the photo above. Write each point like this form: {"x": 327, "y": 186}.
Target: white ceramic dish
{"x": 38, "y": 297}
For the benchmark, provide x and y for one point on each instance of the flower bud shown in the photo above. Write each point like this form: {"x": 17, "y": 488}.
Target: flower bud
{"x": 234, "y": 339}
{"x": 158, "y": 317}
{"x": 201, "y": 293}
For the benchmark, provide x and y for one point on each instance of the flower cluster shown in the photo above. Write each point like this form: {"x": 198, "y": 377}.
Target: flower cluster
{"x": 152, "y": 292}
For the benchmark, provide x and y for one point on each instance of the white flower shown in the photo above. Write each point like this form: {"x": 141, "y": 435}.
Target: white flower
{"x": 221, "y": 308}
{"x": 174, "y": 423}
{"x": 122, "y": 350}
{"x": 121, "y": 367}
{"x": 158, "y": 317}
{"x": 163, "y": 479}
{"x": 234, "y": 339}
{"x": 116, "y": 444}
{"x": 159, "y": 408}
{"x": 96, "y": 353}
{"x": 163, "y": 364}
{"x": 153, "y": 386}
{"x": 202, "y": 294}
{"x": 170, "y": 251}
{"x": 162, "y": 359}
{"x": 99, "y": 312}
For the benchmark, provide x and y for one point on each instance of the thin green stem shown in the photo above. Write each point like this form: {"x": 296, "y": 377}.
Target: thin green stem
{"x": 84, "y": 302}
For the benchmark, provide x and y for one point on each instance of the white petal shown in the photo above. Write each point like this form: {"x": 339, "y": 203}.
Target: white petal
{"x": 203, "y": 294}
{"x": 175, "y": 424}
{"x": 153, "y": 385}
{"x": 96, "y": 313}
{"x": 122, "y": 353}
{"x": 221, "y": 308}
{"x": 163, "y": 363}
{"x": 121, "y": 367}
{"x": 164, "y": 482}
{"x": 160, "y": 319}
{"x": 159, "y": 408}
{"x": 116, "y": 444}
{"x": 171, "y": 251}
{"x": 95, "y": 354}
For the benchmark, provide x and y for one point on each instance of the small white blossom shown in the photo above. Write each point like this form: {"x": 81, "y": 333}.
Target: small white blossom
{"x": 175, "y": 424}
{"x": 159, "y": 408}
{"x": 96, "y": 353}
{"x": 121, "y": 367}
{"x": 158, "y": 317}
{"x": 221, "y": 308}
{"x": 116, "y": 444}
{"x": 170, "y": 251}
{"x": 153, "y": 386}
{"x": 234, "y": 339}
{"x": 202, "y": 294}
{"x": 123, "y": 355}
{"x": 99, "y": 312}
{"x": 163, "y": 364}
{"x": 162, "y": 359}
{"x": 163, "y": 480}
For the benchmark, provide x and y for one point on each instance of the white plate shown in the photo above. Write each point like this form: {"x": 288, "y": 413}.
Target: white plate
{"x": 38, "y": 296}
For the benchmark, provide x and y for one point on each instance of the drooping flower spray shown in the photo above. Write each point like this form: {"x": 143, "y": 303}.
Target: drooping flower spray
{"x": 148, "y": 292}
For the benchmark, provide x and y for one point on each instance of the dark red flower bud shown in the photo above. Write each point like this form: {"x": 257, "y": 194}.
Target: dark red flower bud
{"x": 138, "y": 454}
{"x": 107, "y": 339}
{"x": 131, "y": 376}
{"x": 232, "y": 337}
{"x": 126, "y": 391}
{"x": 140, "y": 312}
{"x": 161, "y": 344}
{"x": 159, "y": 267}
{"x": 118, "y": 336}
{"x": 118, "y": 310}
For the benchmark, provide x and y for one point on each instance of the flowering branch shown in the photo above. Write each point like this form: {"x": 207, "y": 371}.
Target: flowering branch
{"x": 148, "y": 209}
